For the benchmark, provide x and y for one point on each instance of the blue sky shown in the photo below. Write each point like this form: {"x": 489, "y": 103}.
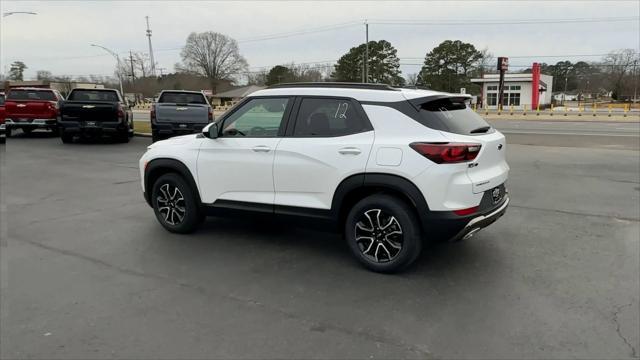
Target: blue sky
{"x": 58, "y": 38}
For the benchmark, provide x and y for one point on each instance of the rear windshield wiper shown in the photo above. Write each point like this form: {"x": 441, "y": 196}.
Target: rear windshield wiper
{"x": 482, "y": 129}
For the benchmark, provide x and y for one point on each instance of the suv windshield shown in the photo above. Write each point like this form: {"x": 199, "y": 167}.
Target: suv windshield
{"x": 452, "y": 115}
{"x": 93, "y": 95}
{"x": 21, "y": 94}
{"x": 182, "y": 98}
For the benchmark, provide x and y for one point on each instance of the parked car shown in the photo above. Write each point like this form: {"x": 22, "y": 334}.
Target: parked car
{"x": 95, "y": 112}
{"x": 387, "y": 167}
{"x": 2, "y": 117}
{"x": 179, "y": 113}
{"x": 32, "y": 108}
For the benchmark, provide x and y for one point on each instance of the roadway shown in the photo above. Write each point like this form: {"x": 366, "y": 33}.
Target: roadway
{"x": 88, "y": 273}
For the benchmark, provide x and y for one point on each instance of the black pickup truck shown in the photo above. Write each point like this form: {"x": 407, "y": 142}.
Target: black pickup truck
{"x": 95, "y": 112}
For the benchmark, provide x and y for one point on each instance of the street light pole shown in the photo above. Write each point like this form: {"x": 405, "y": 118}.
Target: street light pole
{"x": 18, "y": 12}
{"x": 366, "y": 53}
{"x": 9, "y": 13}
{"x": 115, "y": 55}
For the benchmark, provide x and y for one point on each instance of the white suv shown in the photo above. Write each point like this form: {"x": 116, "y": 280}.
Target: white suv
{"x": 389, "y": 167}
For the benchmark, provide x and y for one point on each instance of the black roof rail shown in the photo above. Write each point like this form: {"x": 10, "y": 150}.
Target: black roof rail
{"x": 343, "y": 85}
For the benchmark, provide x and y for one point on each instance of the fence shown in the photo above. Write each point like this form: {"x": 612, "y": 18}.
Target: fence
{"x": 608, "y": 110}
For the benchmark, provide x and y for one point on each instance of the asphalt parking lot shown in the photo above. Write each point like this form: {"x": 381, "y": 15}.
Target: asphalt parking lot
{"x": 88, "y": 273}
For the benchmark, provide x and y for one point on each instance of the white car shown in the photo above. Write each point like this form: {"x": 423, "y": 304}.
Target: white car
{"x": 388, "y": 167}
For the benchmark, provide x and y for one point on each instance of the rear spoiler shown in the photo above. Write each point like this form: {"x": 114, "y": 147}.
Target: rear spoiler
{"x": 417, "y": 102}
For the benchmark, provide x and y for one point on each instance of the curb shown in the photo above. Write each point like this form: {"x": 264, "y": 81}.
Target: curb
{"x": 560, "y": 120}
{"x": 146, "y": 135}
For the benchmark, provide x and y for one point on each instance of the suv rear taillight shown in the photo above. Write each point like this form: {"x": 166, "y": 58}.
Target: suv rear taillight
{"x": 210, "y": 115}
{"x": 153, "y": 113}
{"x": 447, "y": 153}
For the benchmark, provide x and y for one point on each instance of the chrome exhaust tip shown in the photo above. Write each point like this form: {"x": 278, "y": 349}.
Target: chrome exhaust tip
{"x": 470, "y": 234}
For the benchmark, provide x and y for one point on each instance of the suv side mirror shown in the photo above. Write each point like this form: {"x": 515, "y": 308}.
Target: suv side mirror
{"x": 211, "y": 131}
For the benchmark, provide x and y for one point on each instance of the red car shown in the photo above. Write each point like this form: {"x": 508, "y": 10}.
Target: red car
{"x": 2, "y": 126}
{"x": 32, "y": 108}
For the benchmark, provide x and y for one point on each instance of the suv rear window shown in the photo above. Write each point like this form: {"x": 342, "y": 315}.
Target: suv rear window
{"x": 46, "y": 95}
{"x": 452, "y": 115}
{"x": 93, "y": 95}
{"x": 182, "y": 98}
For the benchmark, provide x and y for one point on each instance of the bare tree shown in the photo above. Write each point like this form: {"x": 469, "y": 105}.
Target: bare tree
{"x": 213, "y": 55}
{"x": 619, "y": 64}
{"x": 43, "y": 75}
{"x": 486, "y": 61}
{"x": 412, "y": 79}
{"x": 257, "y": 78}
{"x": 142, "y": 64}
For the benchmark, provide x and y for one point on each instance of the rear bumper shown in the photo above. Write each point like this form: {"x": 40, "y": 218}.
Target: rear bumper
{"x": 177, "y": 128}
{"x": 79, "y": 127}
{"x": 453, "y": 227}
{"x": 30, "y": 123}
{"x": 480, "y": 222}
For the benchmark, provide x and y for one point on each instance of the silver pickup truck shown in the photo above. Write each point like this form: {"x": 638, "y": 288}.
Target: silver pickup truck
{"x": 179, "y": 112}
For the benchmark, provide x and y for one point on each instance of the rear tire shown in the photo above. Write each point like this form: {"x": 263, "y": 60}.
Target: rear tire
{"x": 123, "y": 137}
{"x": 383, "y": 233}
{"x": 175, "y": 204}
{"x": 66, "y": 138}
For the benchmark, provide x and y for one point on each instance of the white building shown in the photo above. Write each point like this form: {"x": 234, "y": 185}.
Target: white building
{"x": 517, "y": 90}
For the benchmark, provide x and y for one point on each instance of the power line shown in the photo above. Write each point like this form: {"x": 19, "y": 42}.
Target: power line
{"x": 504, "y": 22}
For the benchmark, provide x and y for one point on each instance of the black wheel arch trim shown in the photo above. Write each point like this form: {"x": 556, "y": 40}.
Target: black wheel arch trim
{"x": 379, "y": 180}
{"x": 164, "y": 165}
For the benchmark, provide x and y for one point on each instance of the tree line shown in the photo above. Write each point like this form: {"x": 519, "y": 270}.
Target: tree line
{"x": 451, "y": 65}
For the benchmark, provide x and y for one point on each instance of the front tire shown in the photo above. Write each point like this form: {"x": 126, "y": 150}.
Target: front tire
{"x": 175, "y": 204}
{"x": 383, "y": 233}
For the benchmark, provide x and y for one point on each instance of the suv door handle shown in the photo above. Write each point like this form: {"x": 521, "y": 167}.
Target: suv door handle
{"x": 350, "y": 151}
{"x": 261, "y": 148}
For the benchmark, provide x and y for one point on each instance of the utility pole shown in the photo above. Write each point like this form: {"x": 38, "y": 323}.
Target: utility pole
{"x": 366, "y": 52}
{"x": 564, "y": 94}
{"x": 635, "y": 82}
{"x": 153, "y": 63}
{"x": 363, "y": 68}
{"x": 503, "y": 65}
{"x": 133, "y": 74}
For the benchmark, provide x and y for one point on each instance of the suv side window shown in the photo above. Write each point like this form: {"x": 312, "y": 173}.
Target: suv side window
{"x": 328, "y": 117}
{"x": 259, "y": 117}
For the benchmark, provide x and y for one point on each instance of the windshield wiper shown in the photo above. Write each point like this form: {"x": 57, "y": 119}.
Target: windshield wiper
{"x": 482, "y": 129}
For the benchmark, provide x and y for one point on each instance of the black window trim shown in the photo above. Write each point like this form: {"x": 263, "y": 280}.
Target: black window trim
{"x": 283, "y": 123}
{"x": 296, "y": 111}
